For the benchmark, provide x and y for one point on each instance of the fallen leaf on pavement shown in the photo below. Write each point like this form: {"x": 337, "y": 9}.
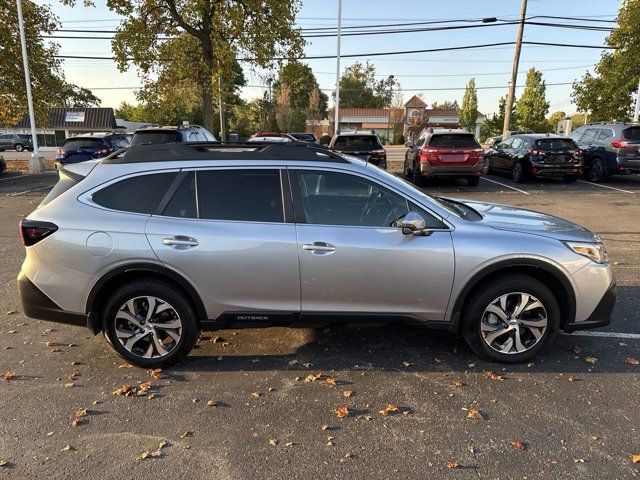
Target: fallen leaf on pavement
{"x": 492, "y": 376}
{"x": 453, "y": 465}
{"x": 133, "y": 391}
{"x": 632, "y": 361}
{"x": 3, "y": 463}
{"x": 212, "y": 403}
{"x": 475, "y": 414}
{"x": 591, "y": 360}
{"x": 635, "y": 458}
{"x": 576, "y": 349}
{"x": 517, "y": 445}
{"x": 342, "y": 412}
{"x": 324, "y": 427}
{"x": 10, "y": 312}
{"x": 578, "y": 460}
{"x": 9, "y": 375}
{"x": 330, "y": 381}
{"x": 437, "y": 360}
{"x": 273, "y": 442}
{"x": 81, "y": 413}
{"x": 217, "y": 340}
{"x": 406, "y": 364}
{"x": 157, "y": 373}
{"x": 388, "y": 409}
{"x": 456, "y": 384}
{"x": 66, "y": 448}
{"x": 186, "y": 434}
{"x": 347, "y": 393}
{"x": 125, "y": 365}
{"x": 254, "y": 395}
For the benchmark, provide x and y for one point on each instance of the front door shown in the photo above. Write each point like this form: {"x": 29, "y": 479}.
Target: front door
{"x": 354, "y": 258}
{"x": 225, "y": 231}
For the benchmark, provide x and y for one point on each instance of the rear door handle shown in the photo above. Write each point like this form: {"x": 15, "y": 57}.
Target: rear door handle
{"x": 180, "y": 241}
{"x": 319, "y": 247}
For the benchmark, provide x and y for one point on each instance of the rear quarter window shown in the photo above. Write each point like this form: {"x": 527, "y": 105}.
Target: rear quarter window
{"x": 139, "y": 194}
{"x": 454, "y": 141}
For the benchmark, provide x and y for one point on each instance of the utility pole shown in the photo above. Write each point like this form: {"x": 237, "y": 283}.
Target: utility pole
{"x": 336, "y": 121}
{"x": 389, "y": 135}
{"x": 36, "y": 164}
{"x": 514, "y": 71}
{"x": 636, "y": 115}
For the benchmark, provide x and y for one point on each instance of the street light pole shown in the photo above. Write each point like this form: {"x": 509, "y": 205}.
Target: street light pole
{"x": 336, "y": 121}
{"x": 514, "y": 71}
{"x": 36, "y": 165}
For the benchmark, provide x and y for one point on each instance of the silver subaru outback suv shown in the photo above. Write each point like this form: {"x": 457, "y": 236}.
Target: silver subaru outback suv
{"x": 154, "y": 244}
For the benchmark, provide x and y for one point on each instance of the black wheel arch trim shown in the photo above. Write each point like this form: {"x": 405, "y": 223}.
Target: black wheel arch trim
{"x": 459, "y": 304}
{"x": 152, "y": 268}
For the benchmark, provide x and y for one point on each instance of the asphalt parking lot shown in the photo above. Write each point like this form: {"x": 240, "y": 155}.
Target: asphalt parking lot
{"x": 240, "y": 406}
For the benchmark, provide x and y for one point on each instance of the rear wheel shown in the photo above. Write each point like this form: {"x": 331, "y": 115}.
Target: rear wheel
{"x": 512, "y": 320}
{"x": 570, "y": 178}
{"x": 596, "y": 172}
{"x": 19, "y": 147}
{"x": 473, "y": 181}
{"x": 517, "y": 173}
{"x": 150, "y": 324}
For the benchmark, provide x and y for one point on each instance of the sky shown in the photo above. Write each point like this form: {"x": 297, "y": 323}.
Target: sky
{"x": 438, "y": 75}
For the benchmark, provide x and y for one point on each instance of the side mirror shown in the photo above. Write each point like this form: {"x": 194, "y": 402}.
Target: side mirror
{"x": 408, "y": 144}
{"x": 413, "y": 224}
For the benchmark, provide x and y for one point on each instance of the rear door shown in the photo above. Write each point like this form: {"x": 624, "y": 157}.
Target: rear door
{"x": 4, "y": 141}
{"x": 225, "y": 230}
{"x": 354, "y": 258}
{"x": 500, "y": 157}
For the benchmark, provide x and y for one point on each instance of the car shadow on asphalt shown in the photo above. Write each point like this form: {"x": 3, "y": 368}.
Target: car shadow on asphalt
{"x": 404, "y": 348}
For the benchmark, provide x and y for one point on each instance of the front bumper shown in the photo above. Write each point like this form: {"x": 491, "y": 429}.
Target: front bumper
{"x": 601, "y": 316}
{"x": 36, "y": 304}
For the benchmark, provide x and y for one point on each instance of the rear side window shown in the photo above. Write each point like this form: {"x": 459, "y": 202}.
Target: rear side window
{"x": 454, "y": 141}
{"x": 550, "y": 144}
{"x": 65, "y": 182}
{"x": 632, "y": 134}
{"x": 358, "y": 142}
{"x": 155, "y": 138}
{"x": 140, "y": 194}
{"x": 242, "y": 195}
{"x": 82, "y": 143}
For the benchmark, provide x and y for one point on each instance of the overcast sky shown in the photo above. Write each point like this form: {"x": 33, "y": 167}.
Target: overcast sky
{"x": 422, "y": 72}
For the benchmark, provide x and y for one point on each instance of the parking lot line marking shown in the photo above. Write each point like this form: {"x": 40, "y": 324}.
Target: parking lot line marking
{"x": 606, "y": 186}
{"x": 13, "y": 178}
{"x": 635, "y": 336}
{"x": 16, "y": 194}
{"x": 505, "y": 185}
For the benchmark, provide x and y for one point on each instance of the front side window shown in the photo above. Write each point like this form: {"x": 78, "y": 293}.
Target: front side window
{"x": 240, "y": 194}
{"x": 517, "y": 143}
{"x": 590, "y": 135}
{"x": 139, "y": 194}
{"x": 331, "y": 198}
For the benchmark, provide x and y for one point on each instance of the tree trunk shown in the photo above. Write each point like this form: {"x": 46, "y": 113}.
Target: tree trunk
{"x": 208, "y": 118}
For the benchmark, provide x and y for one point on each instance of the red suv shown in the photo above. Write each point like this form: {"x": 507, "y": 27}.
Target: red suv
{"x": 444, "y": 153}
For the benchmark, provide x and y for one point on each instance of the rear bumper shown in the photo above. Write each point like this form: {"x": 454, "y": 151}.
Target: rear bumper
{"x": 36, "y": 304}
{"x": 601, "y": 316}
{"x": 631, "y": 165}
{"x": 428, "y": 170}
{"x": 555, "y": 170}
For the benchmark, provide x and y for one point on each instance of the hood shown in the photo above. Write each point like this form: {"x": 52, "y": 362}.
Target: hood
{"x": 504, "y": 217}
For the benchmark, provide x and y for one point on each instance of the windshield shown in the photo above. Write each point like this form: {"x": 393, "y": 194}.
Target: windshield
{"x": 454, "y": 141}
{"x": 154, "y": 138}
{"x": 357, "y": 142}
{"x": 551, "y": 144}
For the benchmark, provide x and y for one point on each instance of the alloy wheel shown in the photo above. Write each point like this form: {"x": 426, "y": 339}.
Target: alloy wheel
{"x": 148, "y": 327}
{"x": 514, "y": 323}
{"x": 596, "y": 171}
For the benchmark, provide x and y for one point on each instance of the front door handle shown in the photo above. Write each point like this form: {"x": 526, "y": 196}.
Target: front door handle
{"x": 180, "y": 242}
{"x": 319, "y": 247}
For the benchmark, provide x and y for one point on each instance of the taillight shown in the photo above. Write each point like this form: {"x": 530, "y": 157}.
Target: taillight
{"x": 382, "y": 152}
{"x": 427, "y": 153}
{"x": 32, "y": 231}
{"x": 619, "y": 143}
{"x": 58, "y": 151}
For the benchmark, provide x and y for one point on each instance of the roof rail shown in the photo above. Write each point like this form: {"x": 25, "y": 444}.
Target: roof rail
{"x": 223, "y": 151}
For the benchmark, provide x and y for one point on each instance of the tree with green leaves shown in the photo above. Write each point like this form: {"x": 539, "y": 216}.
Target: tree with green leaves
{"x": 493, "y": 125}
{"x": 302, "y": 84}
{"x": 468, "y": 112}
{"x": 553, "y": 120}
{"x": 359, "y": 87}
{"x": 445, "y": 105}
{"x": 48, "y": 85}
{"x": 608, "y": 93}
{"x": 532, "y": 107}
{"x": 198, "y": 41}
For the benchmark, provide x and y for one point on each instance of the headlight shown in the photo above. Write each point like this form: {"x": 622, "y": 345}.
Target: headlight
{"x": 593, "y": 251}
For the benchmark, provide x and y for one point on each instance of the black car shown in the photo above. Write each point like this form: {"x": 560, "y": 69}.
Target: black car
{"x": 609, "y": 148}
{"x": 304, "y": 137}
{"x": 16, "y": 141}
{"x": 366, "y": 146}
{"x": 90, "y": 146}
{"x": 171, "y": 134}
{"x": 536, "y": 155}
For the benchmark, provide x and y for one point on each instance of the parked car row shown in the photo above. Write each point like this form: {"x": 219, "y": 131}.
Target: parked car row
{"x": 16, "y": 141}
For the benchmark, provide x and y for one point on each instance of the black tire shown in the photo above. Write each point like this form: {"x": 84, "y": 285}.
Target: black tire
{"x": 570, "y": 178}
{"x": 517, "y": 173}
{"x": 19, "y": 147}
{"x": 416, "y": 177}
{"x": 473, "y": 181}
{"x": 597, "y": 170}
{"x": 167, "y": 292}
{"x": 480, "y": 300}
{"x": 487, "y": 168}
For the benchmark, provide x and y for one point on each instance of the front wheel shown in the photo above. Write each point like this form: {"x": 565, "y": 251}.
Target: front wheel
{"x": 596, "y": 171}
{"x": 150, "y": 323}
{"x": 512, "y": 320}
{"x": 19, "y": 147}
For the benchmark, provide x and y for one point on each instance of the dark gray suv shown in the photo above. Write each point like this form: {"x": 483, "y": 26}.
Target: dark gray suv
{"x": 609, "y": 148}
{"x": 15, "y": 141}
